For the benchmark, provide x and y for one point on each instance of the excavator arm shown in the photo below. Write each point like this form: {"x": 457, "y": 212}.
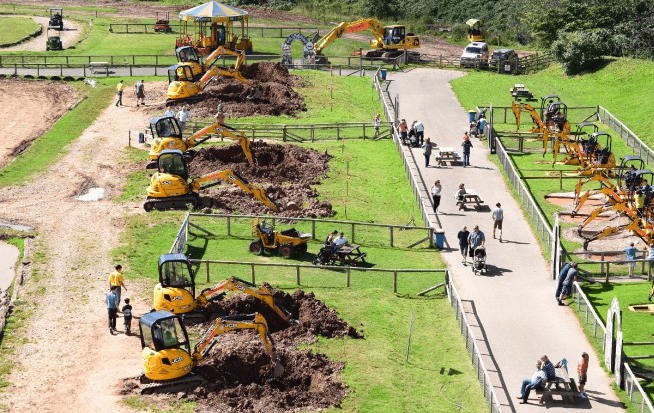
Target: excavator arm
{"x": 218, "y": 129}
{"x": 232, "y": 177}
{"x": 238, "y": 322}
{"x": 236, "y": 284}
{"x": 518, "y": 108}
{"x": 221, "y": 51}
{"x": 215, "y": 71}
{"x": 373, "y": 25}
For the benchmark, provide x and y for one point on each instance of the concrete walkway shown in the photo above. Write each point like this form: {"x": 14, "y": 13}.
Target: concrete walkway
{"x": 514, "y": 304}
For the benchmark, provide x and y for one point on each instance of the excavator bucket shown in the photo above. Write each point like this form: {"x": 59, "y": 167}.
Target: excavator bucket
{"x": 255, "y": 94}
{"x": 278, "y": 370}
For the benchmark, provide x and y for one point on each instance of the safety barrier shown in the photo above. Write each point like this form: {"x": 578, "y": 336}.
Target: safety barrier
{"x": 630, "y": 138}
{"x": 471, "y": 345}
{"x": 587, "y": 315}
{"x": 263, "y": 31}
{"x": 181, "y": 238}
{"x": 635, "y": 392}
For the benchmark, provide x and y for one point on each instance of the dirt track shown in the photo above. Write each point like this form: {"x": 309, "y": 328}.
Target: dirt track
{"x": 72, "y": 31}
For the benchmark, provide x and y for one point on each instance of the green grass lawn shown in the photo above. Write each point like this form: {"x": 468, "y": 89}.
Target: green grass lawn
{"x": 14, "y": 29}
{"x": 636, "y": 327}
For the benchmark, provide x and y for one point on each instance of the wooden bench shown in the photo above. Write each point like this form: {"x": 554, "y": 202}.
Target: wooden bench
{"x": 443, "y": 154}
{"x": 471, "y": 197}
{"x": 563, "y": 386}
{"x": 520, "y": 91}
{"x": 99, "y": 67}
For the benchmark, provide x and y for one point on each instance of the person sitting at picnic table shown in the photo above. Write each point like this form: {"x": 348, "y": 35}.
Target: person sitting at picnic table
{"x": 460, "y": 197}
{"x": 330, "y": 238}
{"x": 548, "y": 368}
{"x": 340, "y": 241}
{"x": 536, "y": 382}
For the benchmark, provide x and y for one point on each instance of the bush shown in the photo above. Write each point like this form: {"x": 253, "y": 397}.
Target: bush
{"x": 578, "y": 51}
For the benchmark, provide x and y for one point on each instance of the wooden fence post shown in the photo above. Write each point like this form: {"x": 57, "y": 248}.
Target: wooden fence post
{"x": 352, "y": 233}
{"x": 297, "y": 275}
{"x": 313, "y": 229}
{"x": 348, "y": 277}
{"x": 391, "y": 236}
{"x": 208, "y": 276}
{"x": 252, "y": 270}
{"x": 229, "y": 226}
{"x": 395, "y": 282}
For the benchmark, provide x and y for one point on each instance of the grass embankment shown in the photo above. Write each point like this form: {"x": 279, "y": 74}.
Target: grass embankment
{"x": 15, "y": 29}
{"x": 52, "y": 145}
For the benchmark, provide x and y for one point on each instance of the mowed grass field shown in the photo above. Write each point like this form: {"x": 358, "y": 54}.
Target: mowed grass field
{"x": 14, "y": 29}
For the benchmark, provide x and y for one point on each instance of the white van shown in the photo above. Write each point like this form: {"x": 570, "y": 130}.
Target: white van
{"x": 473, "y": 52}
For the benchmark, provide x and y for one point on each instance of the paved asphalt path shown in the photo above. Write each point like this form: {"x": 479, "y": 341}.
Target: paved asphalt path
{"x": 514, "y": 304}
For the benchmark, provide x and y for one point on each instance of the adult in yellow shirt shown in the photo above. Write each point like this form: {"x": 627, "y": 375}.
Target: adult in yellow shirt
{"x": 116, "y": 280}
{"x": 119, "y": 92}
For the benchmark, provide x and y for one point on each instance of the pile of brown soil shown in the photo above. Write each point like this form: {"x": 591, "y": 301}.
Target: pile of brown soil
{"x": 285, "y": 171}
{"x": 277, "y": 94}
{"x": 237, "y": 371}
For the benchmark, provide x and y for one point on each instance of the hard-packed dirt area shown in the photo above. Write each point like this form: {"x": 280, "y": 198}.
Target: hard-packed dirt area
{"x": 21, "y": 128}
{"x": 288, "y": 173}
{"x": 276, "y": 85}
{"x": 237, "y": 371}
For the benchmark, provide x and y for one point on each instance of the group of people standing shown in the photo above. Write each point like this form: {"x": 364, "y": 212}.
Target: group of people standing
{"x": 116, "y": 284}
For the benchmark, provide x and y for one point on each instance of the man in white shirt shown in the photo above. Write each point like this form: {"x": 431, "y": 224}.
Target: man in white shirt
{"x": 182, "y": 116}
{"x": 420, "y": 132}
{"x": 340, "y": 241}
{"x": 498, "y": 217}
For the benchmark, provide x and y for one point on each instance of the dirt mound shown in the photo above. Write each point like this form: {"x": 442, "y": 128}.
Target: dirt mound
{"x": 276, "y": 87}
{"x": 285, "y": 171}
{"x": 238, "y": 370}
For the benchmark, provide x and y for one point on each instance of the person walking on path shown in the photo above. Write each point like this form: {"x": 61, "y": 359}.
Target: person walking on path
{"x": 498, "y": 217}
{"x": 112, "y": 309}
{"x": 536, "y": 382}
{"x": 475, "y": 239}
{"x": 403, "y": 131}
{"x": 119, "y": 91}
{"x": 463, "y": 242}
{"x": 139, "y": 91}
{"x": 562, "y": 276}
{"x": 376, "y": 123}
{"x": 127, "y": 316}
{"x": 116, "y": 280}
{"x": 420, "y": 131}
{"x": 426, "y": 151}
{"x": 466, "y": 144}
{"x": 436, "y": 194}
{"x": 183, "y": 116}
{"x": 630, "y": 251}
{"x": 582, "y": 372}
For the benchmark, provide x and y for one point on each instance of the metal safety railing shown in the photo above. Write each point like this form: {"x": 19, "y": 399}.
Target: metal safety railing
{"x": 635, "y": 392}
{"x": 471, "y": 345}
{"x": 630, "y": 138}
{"x": 588, "y": 316}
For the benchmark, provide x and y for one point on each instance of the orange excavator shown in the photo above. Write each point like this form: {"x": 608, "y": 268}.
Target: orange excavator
{"x": 176, "y": 290}
{"x": 170, "y": 187}
{"x": 167, "y": 135}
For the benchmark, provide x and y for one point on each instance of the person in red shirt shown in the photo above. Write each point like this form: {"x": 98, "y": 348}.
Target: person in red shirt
{"x": 582, "y": 370}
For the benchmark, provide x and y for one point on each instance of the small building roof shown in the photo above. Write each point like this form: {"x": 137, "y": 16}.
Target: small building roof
{"x": 213, "y": 12}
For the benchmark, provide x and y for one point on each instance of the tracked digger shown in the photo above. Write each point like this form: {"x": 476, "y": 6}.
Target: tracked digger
{"x": 167, "y": 134}
{"x": 391, "y": 41}
{"x": 189, "y": 56}
{"x": 168, "y": 361}
{"x": 176, "y": 291}
{"x": 170, "y": 187}
{"x": 182, "y": 87}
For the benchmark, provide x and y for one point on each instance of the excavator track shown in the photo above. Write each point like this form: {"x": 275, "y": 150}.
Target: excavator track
{"x": 192, "y": 99}
{"x": 188, "y": 382}
{"x": 177, "y": 202}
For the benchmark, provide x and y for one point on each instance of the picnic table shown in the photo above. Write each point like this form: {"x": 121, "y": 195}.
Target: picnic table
{"x": 472, "y": 197}
{"x": 349, "y": 254}
{"x": 445, "y": 153}
{"x": 520, "y": 91}
{"x": 563, "y": 386}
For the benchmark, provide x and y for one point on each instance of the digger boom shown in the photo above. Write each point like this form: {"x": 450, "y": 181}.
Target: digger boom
{"x": 232, "y": 177}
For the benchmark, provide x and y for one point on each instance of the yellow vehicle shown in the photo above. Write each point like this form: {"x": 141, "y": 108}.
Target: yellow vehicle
{"x": 182, "y": 87}
{"x": 167, "y": 358}
{"x": 475, "y": 30}
{"x": 176, "y": 290}
{"x": 212, "y": 25}
{"x": 590, "y": 154}
{"x": 189, "y": 55}
{"x": 170, "y": 189}
{"x": 391, "y": 41}
{"x": 167, "y": 134}
{"x": 286, "y": 243}
{"x": 519, "y": 108}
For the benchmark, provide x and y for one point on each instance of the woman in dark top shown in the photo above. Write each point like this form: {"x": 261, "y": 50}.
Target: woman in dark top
{"x": 463, "y": 243}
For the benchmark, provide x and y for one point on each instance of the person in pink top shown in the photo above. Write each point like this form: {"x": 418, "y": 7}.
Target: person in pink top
{"x": 582, "y": 370}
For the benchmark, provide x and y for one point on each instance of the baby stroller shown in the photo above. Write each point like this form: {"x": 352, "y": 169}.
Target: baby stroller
{"x": 413, "y": 137}
{"x": 479, "y": 261}
{"x": 325, "y": 256}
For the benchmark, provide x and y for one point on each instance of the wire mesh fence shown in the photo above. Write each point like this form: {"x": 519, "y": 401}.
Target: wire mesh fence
{"x": 635, "y": 392}
{"x": 588, "y": 317}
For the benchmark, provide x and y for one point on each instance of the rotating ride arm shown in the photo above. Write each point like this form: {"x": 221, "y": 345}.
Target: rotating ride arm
{"x": 607, "y": 188}
{"x": 238, "y": 322}
{"x": 236, "y": 284}
{"x": 232, "y": 177}
{"x": 518, "y": 108}
{"x": 217, "y": 129}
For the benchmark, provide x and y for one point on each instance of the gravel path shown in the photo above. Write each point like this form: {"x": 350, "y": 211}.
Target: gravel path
{"x": 515, "y": 302}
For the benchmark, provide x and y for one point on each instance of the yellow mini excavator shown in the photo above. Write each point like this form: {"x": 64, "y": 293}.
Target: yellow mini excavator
{"x": 189, "y": 55}
{"x": 167, "y": 135}
{"x": 170, "y": 187}
{"x": 391, "y": 41}
{"x": 167, "y": 358}
{"x": 176, "y": 290}
{"x": 181, "y": 85}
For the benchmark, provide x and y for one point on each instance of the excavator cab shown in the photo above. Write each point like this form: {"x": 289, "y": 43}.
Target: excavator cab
{"x": 172, "y": 162}
{"x": 165, "y": 127}
{"x": 165, "y": 347}
{"x": 545, "y": 103}
{"x": 188, "y": 55}
{"x": 629, "y": 165}
{"x": 475, "y": 30}
{"x": 180, "y": 83}
{"x": 176, "y": 289}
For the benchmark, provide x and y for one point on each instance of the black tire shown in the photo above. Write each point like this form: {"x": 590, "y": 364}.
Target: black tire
{"x": 148, "y": 206}
{"x": 256, "y": 247}
{"x": 285, "y": 250}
